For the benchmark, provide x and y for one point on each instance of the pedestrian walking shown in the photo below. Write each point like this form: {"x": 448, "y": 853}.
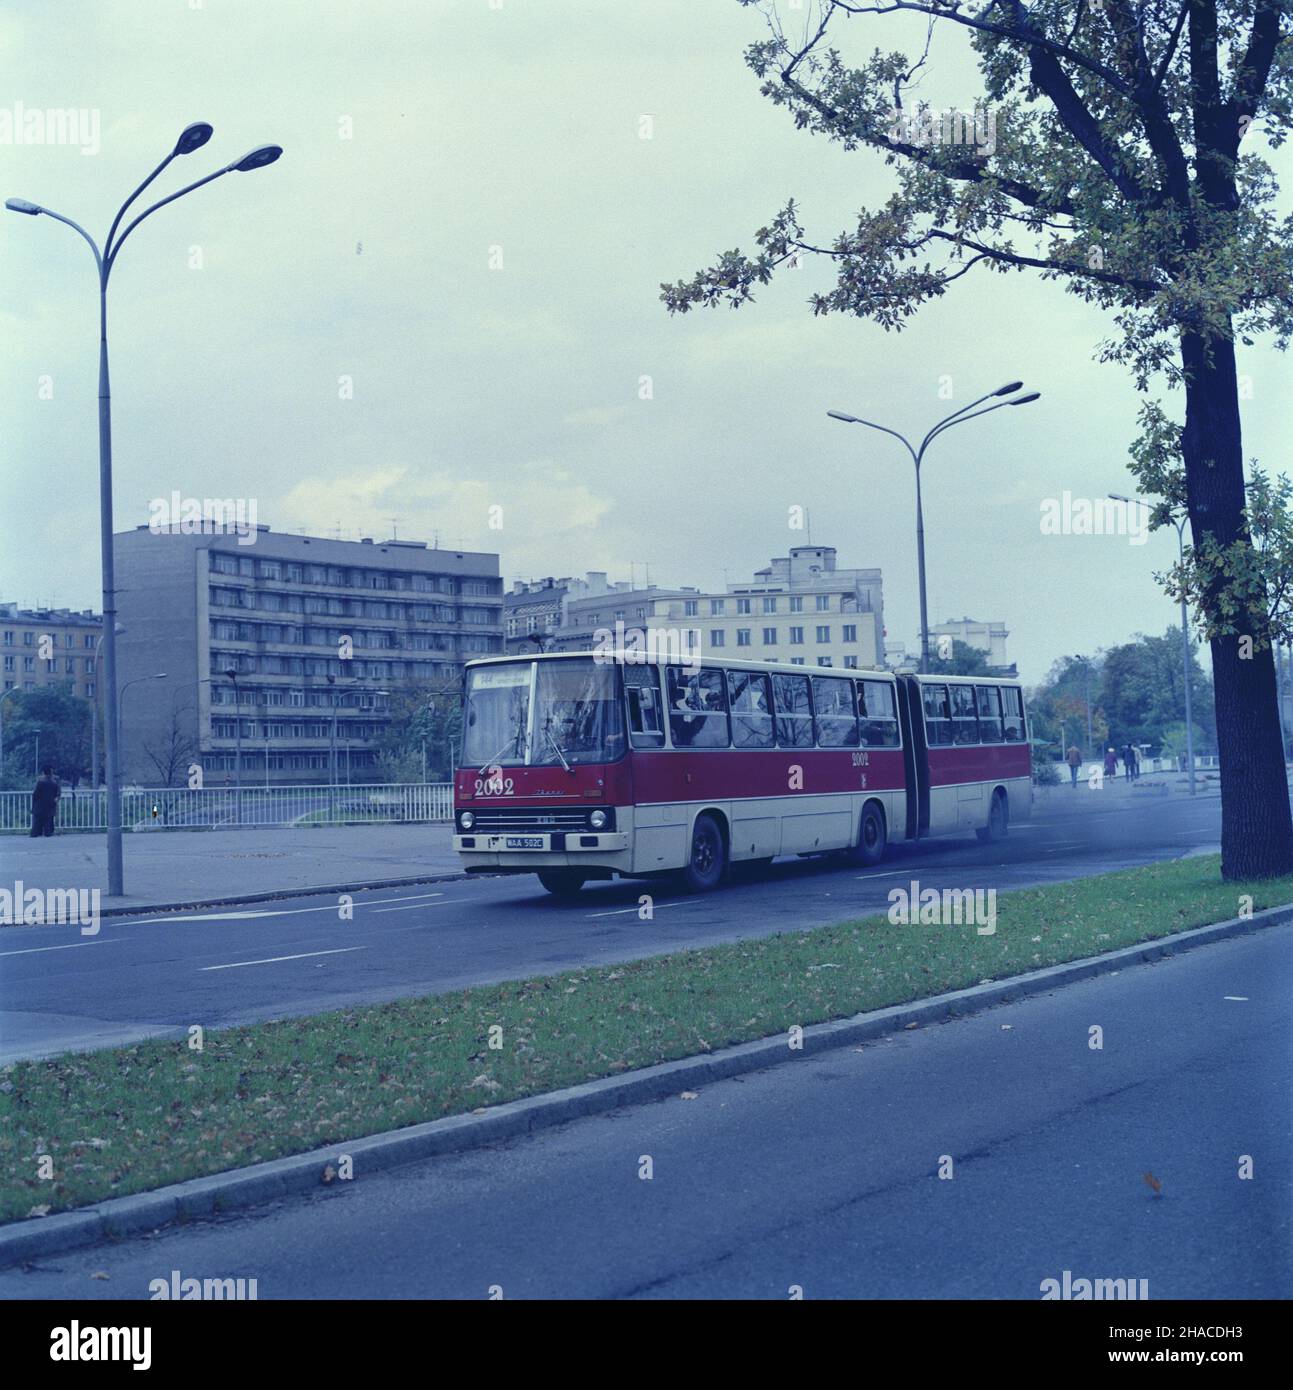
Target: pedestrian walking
{"x": 1110, "y": 763}
{"x": 1133, "y": 762}
{"x": 44, "y": 803}
{"x": 1074, "y": 759}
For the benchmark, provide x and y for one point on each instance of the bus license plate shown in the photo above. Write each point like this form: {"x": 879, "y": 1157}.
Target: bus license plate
{"x": 524, "y": 842}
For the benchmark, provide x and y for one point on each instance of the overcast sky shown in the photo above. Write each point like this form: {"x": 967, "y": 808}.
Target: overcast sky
{"x": 482, "y": 129}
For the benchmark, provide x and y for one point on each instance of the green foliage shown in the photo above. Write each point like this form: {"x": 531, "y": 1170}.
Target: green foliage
{"x": 56, "y": 719}
{"x": 964, "y": 661}
{"x": 1114, "y": 166}
{"x": 423, "y": 714}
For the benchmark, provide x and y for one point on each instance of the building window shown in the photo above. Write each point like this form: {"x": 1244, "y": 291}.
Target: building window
{"x": 716, "y": 607}
{"x": 796, "y": 636}
{"x": 823, "y": 634}
{"x": 823, "y": 603}
{"x": 796, "y": 605}
{"x": 690, "y": 608}
{"x": 769, "y": 636}
{"x": 717, "y": 637}
{"x": 769, "y": 603}
{"x": 851, "y": 662}
{"x": 742, "y": 636}
{"x": 850, "y": 632}
{"x": 825, "y": 661}
{"x": 742, "y": 605}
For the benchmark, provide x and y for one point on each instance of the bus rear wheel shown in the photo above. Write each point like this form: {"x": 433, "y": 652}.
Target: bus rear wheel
{"x": 998, "y": 819}
{"x": 873, "y": 838}
{"x": 708, "y": 861}
{"x": 562, "y": 883}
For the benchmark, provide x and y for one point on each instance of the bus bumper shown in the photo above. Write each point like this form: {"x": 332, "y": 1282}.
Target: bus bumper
{"x": 530, "y": 853}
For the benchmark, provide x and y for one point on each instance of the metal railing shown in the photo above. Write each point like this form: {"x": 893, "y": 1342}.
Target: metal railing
{"x": 210, "y": 808}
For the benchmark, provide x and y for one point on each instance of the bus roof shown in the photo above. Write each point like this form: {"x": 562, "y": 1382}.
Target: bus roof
{"x": 638, "y": 658}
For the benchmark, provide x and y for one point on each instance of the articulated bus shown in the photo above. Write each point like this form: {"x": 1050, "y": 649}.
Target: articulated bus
{"x": 583, "y": 766}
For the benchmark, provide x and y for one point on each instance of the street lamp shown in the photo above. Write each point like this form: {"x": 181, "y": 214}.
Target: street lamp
{"x": 958, "y": 417}
{"x": 232, "y": 673}
{"x": 94, "y": 714}
{"x": 1185, "y": 625}
{"x": 121, "y": 701}
{"x": 191, "y": 138}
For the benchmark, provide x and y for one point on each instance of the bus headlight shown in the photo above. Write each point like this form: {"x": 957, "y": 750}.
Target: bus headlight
{"x": 597, "y": 820}
{"x": 466, "y": 820}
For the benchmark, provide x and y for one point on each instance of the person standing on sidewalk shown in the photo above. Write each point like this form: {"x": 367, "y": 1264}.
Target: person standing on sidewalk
{"x": 1074, "y": 759}
{"x": 44, "y": 803}
{"x": 1110, "y": 763}
{"x": 1133, "y": 762}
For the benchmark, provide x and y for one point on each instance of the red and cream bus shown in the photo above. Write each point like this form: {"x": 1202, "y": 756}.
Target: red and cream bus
{"x": 580, "y": 766}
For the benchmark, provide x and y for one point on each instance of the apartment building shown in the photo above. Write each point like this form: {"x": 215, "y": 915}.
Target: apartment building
{"x": 275, "y": 657}
{"x": 49, "y": 646}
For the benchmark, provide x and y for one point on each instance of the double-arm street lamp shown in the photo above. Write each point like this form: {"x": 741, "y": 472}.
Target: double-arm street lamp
{"x": 192, "y": 137}
{"x": 1179, "y": 523}
{"x": 958, "y": 417}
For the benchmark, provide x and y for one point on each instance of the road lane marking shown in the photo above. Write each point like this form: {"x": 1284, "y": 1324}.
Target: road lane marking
{"x": 273, "y": 960}
{"x": 619, "y": 911}
{"x": 71, "y": 946}
{"x": 411, "y": 907}
{"x": 1236, "y": 998}
{"x": 888, "y": 873}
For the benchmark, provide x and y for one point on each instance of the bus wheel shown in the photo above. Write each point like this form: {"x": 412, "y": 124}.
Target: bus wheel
{"x": 562, "y": 883}
{"x": 998, "y": 818}
{"x": 873, "y": 838}
{"x": 708, "y": 860}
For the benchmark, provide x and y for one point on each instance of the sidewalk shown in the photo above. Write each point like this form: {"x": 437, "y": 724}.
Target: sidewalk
{"x": 1117, "y": 793}
{"x": 206, "y": 866}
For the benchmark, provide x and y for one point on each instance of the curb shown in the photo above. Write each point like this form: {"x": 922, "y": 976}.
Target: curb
{"x": 277, "y": 894}
{"x": 266, "y": 1182}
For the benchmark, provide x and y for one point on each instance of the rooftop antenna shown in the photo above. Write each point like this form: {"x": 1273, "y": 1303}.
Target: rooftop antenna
{"x": 394, "y": 520}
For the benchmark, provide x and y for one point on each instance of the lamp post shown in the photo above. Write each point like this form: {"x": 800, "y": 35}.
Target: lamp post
{"x": 1179, "y": 523}
{"x": 191, "y": 138}
{"x": 94, "y": 714}
{"x": 232, "y": 673}
{"x": 121, "y": 701}
{"x": 958, "y": 417}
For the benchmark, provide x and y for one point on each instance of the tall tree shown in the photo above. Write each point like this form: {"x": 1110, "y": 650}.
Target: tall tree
{"x": 1114, "y": 166}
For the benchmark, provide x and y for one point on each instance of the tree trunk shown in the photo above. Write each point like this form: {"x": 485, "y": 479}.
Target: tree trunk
{"x": 1256, "y": 826}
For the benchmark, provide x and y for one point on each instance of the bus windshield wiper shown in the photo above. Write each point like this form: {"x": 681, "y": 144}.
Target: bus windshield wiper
{"x": 556, "y": 747}
{"x": 516, "y": 737}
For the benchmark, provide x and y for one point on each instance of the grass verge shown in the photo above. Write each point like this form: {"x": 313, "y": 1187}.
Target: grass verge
{"x": 130, "y": 1119}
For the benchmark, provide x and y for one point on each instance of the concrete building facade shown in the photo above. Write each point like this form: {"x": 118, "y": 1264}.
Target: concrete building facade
{"x": 280, "y": 656}
{"x": 49, "y": 646}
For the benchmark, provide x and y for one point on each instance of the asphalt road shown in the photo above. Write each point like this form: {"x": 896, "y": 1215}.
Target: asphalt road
{"x": 154, "y": 975}
{"x": 823, "y": 1173}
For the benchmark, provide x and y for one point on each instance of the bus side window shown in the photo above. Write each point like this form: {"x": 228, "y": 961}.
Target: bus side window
{"x": 938, "y": 723}
{"x": 751, "y": 703}
{"x": 879, "y": 714}
{"x": 794, "y": 711}
{"x": 1012, "y": 704}
{"x": 989, "y": 698}
{"x": 697, "y": 708}
{"x": 965, "y": 723}
{"x": 646, "y": 713}
{"x": 837, "y": 725}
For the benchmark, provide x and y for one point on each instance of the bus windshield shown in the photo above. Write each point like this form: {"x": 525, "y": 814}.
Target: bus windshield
{"x": 496, "y": 720}
{"x": 577, "y": 716}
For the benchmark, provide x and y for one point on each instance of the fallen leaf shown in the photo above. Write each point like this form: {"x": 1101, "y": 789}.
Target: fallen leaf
{"x": 100, "y": 1274}
{"x": 688, "y": 1095}
{"x": 329, "y": 1173}
{"x": 1154, "y": 1183}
